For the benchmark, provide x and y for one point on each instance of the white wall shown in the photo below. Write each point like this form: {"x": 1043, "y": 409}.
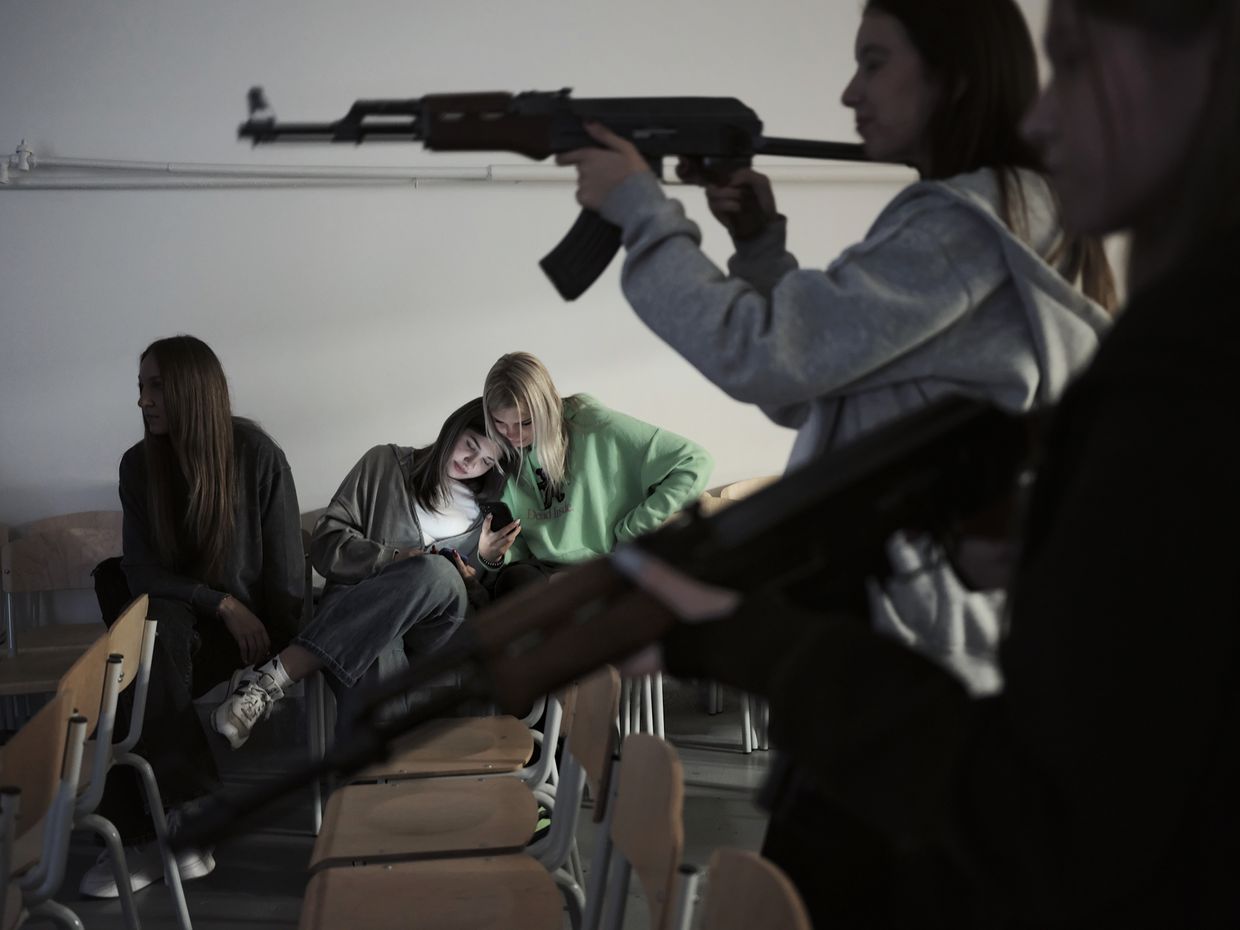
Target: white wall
{"x": 346, "y": 317}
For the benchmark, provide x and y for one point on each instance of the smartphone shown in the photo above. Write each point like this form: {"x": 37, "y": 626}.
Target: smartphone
{"x": 501, "y": 516}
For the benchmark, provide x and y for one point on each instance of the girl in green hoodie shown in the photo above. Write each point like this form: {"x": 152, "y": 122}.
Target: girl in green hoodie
{"x": 587, "y": 478}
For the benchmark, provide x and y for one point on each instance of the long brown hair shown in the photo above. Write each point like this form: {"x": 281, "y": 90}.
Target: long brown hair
{"x": 1209, "y": 191}
{"x": 195, "y": 534}
{"x": 983, "y": 57}
{"x": 428, "y": 478}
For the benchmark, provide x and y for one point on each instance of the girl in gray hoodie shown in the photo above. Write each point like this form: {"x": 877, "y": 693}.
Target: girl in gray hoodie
{"x": 965, "y": 284}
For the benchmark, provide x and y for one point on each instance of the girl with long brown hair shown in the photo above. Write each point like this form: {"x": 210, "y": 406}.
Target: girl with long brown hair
{"x": 965, "y": 284}
{"x": 212, "y": 533}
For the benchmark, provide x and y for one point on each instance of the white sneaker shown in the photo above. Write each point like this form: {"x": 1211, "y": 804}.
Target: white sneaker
{"x": 145, "y": 867}
{"x": 254, "y": 695}
{"x": 192, "y": 862}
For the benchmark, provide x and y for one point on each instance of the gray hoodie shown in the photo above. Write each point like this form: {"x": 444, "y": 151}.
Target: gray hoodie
{"x": 939, "y": 298}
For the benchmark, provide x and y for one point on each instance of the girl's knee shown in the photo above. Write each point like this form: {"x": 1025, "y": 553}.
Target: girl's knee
{"x": 432, "y": 571}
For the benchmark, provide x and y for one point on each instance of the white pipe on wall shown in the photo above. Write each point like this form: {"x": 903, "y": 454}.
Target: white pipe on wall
{"x": 147, "y": 175}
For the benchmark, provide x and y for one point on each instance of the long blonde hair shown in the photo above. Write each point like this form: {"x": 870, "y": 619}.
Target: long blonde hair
{"x": 520, "y": 381}
{"x": 199, "y": 445}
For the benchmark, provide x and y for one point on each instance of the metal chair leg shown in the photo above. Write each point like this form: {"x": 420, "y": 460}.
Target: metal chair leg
{"x": 746, "y": 724}
{"x": 658, "y": 706}
{"x": 172, "y": 874}
{"x": 120, "y": 867}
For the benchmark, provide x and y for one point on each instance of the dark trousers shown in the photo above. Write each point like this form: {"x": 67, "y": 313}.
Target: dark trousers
{"x": 191, "y": 657}
{"x": 516, "y": 575}
{"x": 851, "y": 876}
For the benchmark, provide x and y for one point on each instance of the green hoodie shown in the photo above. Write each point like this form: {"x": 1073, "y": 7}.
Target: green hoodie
{"x": 624, "y": 479}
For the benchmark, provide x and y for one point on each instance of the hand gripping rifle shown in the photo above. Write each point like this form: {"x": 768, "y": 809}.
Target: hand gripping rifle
{"x": 832, "y": 518}
{"x": 721, "y": 131}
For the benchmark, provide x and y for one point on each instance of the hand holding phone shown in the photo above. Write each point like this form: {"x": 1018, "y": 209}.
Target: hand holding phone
{"x": 501, "y": 516}
{"x": 497, "y": 534}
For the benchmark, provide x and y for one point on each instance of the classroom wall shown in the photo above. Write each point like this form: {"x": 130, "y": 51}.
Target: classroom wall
{"x": 348, "y": 317}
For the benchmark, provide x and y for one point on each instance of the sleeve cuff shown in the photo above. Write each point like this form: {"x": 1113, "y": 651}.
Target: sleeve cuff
{"x": 770, "y": 243}
{"x": 206, "y": 601}
{"x": 630, "y": 198}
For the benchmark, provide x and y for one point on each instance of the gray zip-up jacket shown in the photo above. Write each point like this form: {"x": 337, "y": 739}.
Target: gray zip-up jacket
{"x": 939, "y": 298}
{"x": 371, "y": 516}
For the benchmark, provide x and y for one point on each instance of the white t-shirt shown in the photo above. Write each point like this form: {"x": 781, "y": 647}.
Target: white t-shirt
{"x": 457, "y": 517}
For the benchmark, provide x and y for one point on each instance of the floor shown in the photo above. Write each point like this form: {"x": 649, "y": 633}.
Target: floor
{"x": 260, "y": 876}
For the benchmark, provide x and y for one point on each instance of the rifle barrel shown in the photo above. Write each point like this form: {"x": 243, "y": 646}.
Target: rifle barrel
{"x": 807, "y": 148}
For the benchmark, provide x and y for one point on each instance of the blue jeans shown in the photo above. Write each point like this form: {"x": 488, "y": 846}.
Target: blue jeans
{"x": 412, "y": 606}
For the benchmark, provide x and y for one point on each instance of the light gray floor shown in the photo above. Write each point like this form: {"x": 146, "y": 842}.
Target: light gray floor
{"x": 260, "y": 876}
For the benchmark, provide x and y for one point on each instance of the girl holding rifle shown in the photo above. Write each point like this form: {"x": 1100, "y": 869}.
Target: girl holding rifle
{"x": 1099, "y": 788}
{"x": 965, "y": 284}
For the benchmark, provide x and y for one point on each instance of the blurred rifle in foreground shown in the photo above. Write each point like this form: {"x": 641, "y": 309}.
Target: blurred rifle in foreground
{"x": 831, "y": 519}
{"x": 720, "y": 131}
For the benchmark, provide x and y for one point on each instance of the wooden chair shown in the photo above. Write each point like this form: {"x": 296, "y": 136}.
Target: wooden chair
{"x": 437, "y": 817}
{"x": 109, "y": 521}
{"x": 481, "y": 891}
{"x": 43, "y": 760}
{"x": 745, "y": 891}
{"x": 131, "y": 645}
{"x": 57, "y": 558}
{"x": 92, "y": 685}
{"x": 645, "y": 835}
{"x": 35, "y": 660}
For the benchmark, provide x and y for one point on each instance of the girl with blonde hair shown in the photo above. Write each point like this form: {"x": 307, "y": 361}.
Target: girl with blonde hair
{"x": 587, "y": 477}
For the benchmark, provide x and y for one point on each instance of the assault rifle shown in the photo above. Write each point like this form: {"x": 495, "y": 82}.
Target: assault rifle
{"x": 831, "y": 518}
{"x": 720, "y": 131}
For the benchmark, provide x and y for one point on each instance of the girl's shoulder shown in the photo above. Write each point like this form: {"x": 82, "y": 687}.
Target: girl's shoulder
{"x": 253, "y": 444}
{"x": 978, "y": 195}
{"x": 585, "y": 414}
{"x": 387, "y": 457}
{"x": 133, "y": 463}
{"x": 966, "y": 212}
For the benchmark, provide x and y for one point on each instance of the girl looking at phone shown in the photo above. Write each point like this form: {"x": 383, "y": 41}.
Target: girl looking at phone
{"x": 402, "y": 545}
{"x": 586, "y": 478}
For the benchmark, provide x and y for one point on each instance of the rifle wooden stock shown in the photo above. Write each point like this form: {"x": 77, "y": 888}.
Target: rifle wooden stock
{"x": 547, "y": 635}
{"x": 831, "y": 518}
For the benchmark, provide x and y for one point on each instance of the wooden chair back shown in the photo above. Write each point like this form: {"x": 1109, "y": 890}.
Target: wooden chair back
{"x": 33, "y": 758}
{"x": 748, "y": 891}
{"x": 59, "y": 560}
{"x": 648, "y": 820}
{"x": 125, "y": 638}
{"x": 106, "y": 520}
{"x": 592, "y": 731}
{"x": 741, "y": 489}
{"x": 83, "y": 682}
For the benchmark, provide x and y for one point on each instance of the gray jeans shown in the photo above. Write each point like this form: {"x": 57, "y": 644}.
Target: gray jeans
{"x": 411, "y": 607}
